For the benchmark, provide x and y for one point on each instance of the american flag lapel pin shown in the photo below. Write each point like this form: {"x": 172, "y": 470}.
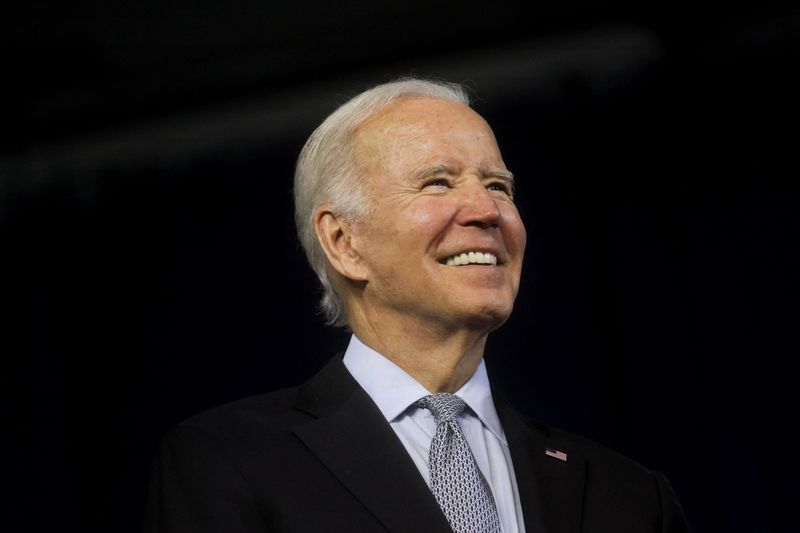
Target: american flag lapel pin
{"x": 558, "y": 454}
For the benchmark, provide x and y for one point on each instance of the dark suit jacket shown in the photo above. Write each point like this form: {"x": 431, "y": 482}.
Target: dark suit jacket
{"x": 321, "y": 458}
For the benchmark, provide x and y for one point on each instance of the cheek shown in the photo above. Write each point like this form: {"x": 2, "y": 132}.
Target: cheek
{"x": 514, "y": 230}
{"x": 430, "y": 215}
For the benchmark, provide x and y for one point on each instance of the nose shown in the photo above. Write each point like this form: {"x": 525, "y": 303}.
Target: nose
{"x": 477, "y": 207}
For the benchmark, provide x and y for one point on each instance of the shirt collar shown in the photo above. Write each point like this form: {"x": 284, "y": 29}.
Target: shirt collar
{"x": 393, "y": 390}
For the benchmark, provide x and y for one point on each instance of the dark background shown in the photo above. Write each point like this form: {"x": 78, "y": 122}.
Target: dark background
{"x": 150, "y": 268}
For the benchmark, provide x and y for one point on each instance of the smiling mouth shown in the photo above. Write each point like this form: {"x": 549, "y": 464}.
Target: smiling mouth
{"x": 470, "y": 258}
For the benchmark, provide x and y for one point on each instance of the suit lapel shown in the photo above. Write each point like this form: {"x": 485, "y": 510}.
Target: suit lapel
{"x": 354, "y": 441}
{"x": 550, "y": 490}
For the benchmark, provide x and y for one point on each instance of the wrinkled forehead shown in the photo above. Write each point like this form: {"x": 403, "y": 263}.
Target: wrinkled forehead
{"x": 413, "y": 112}
{"x": 415, "y": 128}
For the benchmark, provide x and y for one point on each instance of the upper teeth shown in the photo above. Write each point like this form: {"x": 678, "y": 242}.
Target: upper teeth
{"x": 482, "y": 258}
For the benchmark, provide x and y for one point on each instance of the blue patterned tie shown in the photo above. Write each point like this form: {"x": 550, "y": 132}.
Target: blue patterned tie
{"x": 456, "y": 482}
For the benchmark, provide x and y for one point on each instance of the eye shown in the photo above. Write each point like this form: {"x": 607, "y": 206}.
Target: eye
{"x": 436, "y": 182}
{"x": 499, "y": 186}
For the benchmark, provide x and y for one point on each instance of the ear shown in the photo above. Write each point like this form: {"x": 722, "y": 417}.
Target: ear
{"x": 335, "y": 236}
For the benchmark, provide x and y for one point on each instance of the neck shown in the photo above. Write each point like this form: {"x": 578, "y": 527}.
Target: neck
{"x": 441, "y": 361}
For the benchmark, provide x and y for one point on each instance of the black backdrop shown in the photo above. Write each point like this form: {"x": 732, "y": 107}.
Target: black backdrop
{"x": 150, "y": 268}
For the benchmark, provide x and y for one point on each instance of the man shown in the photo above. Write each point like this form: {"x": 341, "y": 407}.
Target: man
{"x": 406, "y": 212}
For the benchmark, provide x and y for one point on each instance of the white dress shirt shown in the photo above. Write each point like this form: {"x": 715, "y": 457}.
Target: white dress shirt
{"x": 395, "y": 393}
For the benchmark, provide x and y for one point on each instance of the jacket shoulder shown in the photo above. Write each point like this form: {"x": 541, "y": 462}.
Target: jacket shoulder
{"x": 597, "y": 455}
{"x": 617, "y": 489}
{"x": 263, "y": 415}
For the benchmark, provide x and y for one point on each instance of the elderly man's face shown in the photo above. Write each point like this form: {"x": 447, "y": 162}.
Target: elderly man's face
{"x": 441, "y": 196}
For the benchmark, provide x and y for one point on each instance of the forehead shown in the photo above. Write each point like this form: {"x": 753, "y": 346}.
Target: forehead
{"x": 414, "y": 112}
{"x": 415, "y": 129}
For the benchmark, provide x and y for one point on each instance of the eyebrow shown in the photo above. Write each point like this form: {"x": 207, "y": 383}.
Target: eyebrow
{"x": 433, "y": 170}
{"x": 502, "y": 174}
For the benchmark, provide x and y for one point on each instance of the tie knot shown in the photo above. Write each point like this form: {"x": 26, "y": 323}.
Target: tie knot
{"x": 444, "y": 406}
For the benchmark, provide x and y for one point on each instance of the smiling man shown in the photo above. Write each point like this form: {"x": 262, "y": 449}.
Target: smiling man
{"x": 406, "y": 212}
{"x": 434, "y": 264}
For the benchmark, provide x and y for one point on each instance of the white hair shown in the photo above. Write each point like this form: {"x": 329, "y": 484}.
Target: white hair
{"x": 327, "y": 172}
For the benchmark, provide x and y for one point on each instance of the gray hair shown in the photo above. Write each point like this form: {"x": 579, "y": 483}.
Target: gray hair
{"x": 327, "y": 172}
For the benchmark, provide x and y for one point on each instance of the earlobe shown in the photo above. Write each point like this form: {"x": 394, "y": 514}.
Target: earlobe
{"x": 335, "y": 236}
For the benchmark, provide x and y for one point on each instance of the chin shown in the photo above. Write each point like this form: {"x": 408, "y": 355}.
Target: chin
{"x": 488, "y": 318}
